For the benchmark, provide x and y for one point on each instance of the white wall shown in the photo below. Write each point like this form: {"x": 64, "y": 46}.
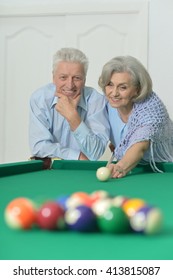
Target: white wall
{"x": 160, "y": 41}
{"x": 160, "y": 63}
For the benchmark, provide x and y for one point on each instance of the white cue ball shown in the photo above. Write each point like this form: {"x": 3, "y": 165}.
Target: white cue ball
{"x": 103, "y": 174}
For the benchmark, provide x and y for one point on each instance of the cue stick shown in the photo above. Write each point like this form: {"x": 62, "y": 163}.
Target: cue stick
{"x": 111, "y": 159}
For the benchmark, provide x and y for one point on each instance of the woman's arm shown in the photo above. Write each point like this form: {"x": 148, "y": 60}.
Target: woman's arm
{"x": 131, "y": 158}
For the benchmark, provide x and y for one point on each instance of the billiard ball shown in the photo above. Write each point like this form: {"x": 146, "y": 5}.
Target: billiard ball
{"x": 119, "y": 200}
{"x": 50, "y": 216}
{"x": 103, "y": 173}
{"x": 20, "y": 213}
{"x": 80, "y": 218}
{"x": 101, "y": 205}
{"x": 113, "y": 220}
{"x": 97, "y": 195}
{"x": 147, "y": 220}
{"x": 132, "y": 205}
{"x": 62, "y": 201}
{"x": 79, "y": 198}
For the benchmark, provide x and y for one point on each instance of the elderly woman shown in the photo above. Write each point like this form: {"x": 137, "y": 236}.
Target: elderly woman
{"x": 141, "y": 130}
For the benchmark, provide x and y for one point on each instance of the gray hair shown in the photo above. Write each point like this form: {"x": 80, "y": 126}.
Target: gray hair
{"x": 70, "y": 55}
{"x": 140, "y": 76}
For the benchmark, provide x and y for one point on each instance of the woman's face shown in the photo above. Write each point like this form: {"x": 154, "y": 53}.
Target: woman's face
{"x": 120, "y": 91}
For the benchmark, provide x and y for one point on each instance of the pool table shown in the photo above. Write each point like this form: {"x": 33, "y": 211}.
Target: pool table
{"x": 29, "y": 179}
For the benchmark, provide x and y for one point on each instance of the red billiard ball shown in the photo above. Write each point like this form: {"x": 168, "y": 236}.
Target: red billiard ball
{"x": 80, "y": 218}
{"x": 147, "y": 220}
{"x": 20, "y": 213}
{"x": 50, "y": 216}
{"x": 97, "y": 195}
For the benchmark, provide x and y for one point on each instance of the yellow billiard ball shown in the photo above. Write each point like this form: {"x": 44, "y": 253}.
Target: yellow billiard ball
{"x": 103, "y": 173}
{"x": 132, "y": 205}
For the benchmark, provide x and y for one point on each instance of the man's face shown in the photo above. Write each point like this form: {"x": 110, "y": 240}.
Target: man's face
{"x": 69, "y": 79}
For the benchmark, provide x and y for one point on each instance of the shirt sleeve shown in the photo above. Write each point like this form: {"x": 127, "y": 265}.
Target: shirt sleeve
{"x": 41, "y": 140}
{"x": 93, "y": 133}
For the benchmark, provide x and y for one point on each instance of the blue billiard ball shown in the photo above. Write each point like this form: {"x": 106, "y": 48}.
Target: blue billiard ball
{"x": 147, "y": 220}
{"x": 62, "y": 201}
{"x": 80, "y": 218}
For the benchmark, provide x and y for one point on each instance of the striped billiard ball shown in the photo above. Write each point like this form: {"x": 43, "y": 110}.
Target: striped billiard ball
{"x": 20, "y": 213}
{"x": 147, "y": 220}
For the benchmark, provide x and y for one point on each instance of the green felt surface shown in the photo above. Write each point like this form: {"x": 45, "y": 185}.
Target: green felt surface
{"x": 29, "y": 180}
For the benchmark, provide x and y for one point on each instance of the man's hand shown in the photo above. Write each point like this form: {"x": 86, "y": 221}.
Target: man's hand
{"x": 67, "y": 104}
{"x": 82, "y": 157}
{"x": 67, "y": 107}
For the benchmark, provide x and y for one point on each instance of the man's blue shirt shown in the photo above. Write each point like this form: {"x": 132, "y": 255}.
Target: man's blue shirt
{"x": 49, "y": 131}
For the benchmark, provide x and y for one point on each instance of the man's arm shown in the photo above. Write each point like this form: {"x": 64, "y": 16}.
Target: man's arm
{"x": 91, "y": 127}
{"x": 41, "y": 140}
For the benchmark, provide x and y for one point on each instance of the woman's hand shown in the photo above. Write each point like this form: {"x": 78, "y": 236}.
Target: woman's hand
{"x": 117, "y": 171}
{"x": 131, "y": 158}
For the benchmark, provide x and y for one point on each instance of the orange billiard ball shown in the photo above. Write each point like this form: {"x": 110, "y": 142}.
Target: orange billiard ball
{"x": 79, "y": 198}
{"x": 20, "y": 213}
